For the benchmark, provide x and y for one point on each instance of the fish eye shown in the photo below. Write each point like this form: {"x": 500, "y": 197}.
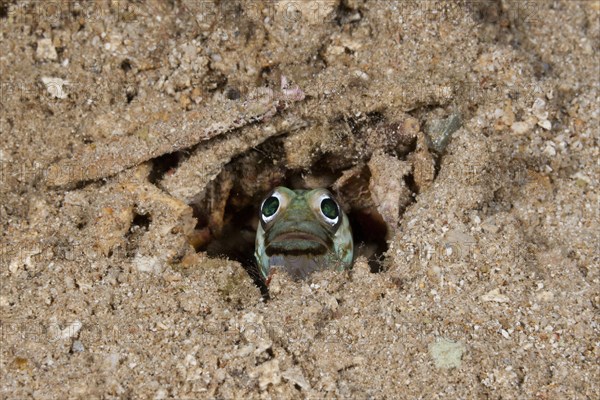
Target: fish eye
{"x": 270, "y": 206}
{"x": 330, "y": 210}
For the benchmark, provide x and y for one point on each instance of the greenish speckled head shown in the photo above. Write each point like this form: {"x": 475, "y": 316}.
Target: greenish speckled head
{"x": 302, "y": 231}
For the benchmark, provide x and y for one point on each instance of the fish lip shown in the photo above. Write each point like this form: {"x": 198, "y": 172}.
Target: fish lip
{"x": 282, "y": 238}
{"x": 298, "y": 236}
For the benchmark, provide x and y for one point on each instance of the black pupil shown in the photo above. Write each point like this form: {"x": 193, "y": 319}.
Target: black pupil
{"x": 270, "y": 206}
{"x": 329, "y": 208}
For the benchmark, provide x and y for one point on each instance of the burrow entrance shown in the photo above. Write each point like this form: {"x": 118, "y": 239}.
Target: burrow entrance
{"x": 236, "y": 238}
{"x": 228, "y": 212}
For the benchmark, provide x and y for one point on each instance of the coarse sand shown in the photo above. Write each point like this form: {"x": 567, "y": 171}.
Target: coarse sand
{"x": 462, "y": 138}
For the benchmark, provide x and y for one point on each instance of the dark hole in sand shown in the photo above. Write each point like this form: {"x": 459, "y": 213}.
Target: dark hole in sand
{"x": 163, "y": 165}
{"x": 140, "y": 221}
{"x": 237, "y": 236}
{"x": 228, "y": 212}
{"x": 126, "y": 65}
{"x": 139, "y": 225}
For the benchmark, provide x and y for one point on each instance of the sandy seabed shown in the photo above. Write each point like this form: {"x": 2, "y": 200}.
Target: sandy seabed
{"x": 133, "y": 137}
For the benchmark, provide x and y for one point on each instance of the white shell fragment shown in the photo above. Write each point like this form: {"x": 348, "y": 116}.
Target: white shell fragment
{"x": 55, "y": 87}
{"x": 494, "y": 295}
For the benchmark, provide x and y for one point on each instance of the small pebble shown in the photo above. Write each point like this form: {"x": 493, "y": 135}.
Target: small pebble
{"x": 295, "y": 376}
{"x": 547, "y": 125}
{"x": 77, "y": 347}
{"x": 520, "y": 127}
{"x": 160, "y": 394}
{"x": 446, "y": 353}
{"x": 45, "y": 50}
{"x": 439, "y": 131}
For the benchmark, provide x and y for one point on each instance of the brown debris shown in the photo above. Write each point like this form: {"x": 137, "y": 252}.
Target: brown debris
{"x": 388, "y": 189}
{"x": 171, "y": 221}
{"x": 423, "y": 164}
{"x": 206, "y": 162}
{"x": 353, "y": 188}
{"x": 218, "y": 195}
{"x": 148, "y": 134}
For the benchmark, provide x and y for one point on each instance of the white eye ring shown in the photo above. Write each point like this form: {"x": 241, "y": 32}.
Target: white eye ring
{"x": 267, "y": 219}
{"x": 330, "y": 221}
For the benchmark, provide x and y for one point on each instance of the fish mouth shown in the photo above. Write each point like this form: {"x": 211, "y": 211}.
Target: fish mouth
{"x": 297, "y": 243}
